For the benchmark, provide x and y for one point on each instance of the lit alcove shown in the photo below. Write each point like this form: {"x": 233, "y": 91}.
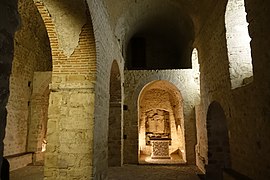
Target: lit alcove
{"x": 238, "y": 44}
{"x": 161, "y": 124}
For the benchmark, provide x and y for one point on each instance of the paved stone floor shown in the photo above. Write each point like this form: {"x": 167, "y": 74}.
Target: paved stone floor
{"x": 127, "y": 172}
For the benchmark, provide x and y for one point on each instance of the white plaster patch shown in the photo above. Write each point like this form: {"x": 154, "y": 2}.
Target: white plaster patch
{"x": 69, "y": 18}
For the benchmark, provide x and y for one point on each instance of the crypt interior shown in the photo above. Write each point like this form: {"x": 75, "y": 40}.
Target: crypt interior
{"x": 90, "y": 85}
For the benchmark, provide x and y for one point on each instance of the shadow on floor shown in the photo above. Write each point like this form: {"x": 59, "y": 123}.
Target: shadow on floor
{"x": 126, "y": 172}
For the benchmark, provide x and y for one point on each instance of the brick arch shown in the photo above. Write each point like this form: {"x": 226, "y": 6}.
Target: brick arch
{"x": 72, "y": 98}
{"x": 50, "y": 27}
{"x": 84, "y": 54}
{"x": 218, "y": 141}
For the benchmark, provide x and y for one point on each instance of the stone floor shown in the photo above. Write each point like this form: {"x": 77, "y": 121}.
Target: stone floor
{"x": 175, "y": 159}
{"x": 127, "y": 172}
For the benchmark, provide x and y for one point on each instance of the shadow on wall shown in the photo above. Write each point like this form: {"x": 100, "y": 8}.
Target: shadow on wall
{"x": 218, "y": 142}
{"x": 9, "y": 21}
{"x": 5, "y": 169}
{"x": 115, "y": 142}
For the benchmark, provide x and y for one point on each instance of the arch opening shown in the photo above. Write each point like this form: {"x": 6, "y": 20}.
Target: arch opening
{"x": 218, "y": 141}
{"x": 115, "y": 144}
{"x": 29, "y": 88}
{"x": 238, "y": 44}
{"x": 161, "y": 124}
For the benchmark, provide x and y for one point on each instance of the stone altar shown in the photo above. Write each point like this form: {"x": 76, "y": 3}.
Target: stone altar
{"x": 160, "y": 148}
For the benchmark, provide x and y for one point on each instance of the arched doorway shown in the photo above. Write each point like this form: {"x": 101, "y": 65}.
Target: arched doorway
{"x": 218, "y": 141}
{"x": 115, "y": 157}
{"x": 161, "y": 124}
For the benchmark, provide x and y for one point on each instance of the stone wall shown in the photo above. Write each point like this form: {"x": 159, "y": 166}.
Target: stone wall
{"x": 246, "y": 107}
{"x": 31, "y": 53}
{"x": 9, "y": 21}
{"x": 108, "y": 49}
{"x": 251, "y": 105}
{"x": 80, "y": 83}
{"x": 115, "y": 129}
{"x": 214, "y": 70}
{"x": 184, "y": 80}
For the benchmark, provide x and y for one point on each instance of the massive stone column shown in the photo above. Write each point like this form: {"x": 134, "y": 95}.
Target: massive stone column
{"x": 71, "y": 103}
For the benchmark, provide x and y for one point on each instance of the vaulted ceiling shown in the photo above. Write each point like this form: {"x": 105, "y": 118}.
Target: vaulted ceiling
{"x": 139, "y": 12}
{"x": 178, "y": 21}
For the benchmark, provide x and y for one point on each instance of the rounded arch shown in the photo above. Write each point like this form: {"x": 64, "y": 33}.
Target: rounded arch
{"x": 32, "y": 54}
{"x": 135, "y": 87}
{"x": 115, "y": 144}
{"x": 161, "y": 120}
{"x": 218, "y": 141}
{"x": 151, "y": 78}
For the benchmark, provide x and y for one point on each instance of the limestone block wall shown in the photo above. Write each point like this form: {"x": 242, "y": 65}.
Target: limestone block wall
{"x": 31, "y": 53}
{"x": 252, "y": 110}
{"x": 9, "y": 21}
{"x": 184, "y": 80}
{"x": 108, "y": 49}
{"x": 246, "y": 108}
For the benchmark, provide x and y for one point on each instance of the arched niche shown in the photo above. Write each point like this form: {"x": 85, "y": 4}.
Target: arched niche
{"x": 218, "y": 141}
{"x": 161, "y": 124}
{"x": 27, "y": 107}
{"x": 115, "y": 157}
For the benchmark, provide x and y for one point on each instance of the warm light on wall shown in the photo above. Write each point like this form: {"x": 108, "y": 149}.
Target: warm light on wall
{"x": 44, "y": 144}
{"x": 160, "y": 115}
{"x": 238, "y": 43}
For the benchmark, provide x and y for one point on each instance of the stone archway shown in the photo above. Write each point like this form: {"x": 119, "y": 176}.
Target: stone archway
{"x": 32, "y": 53}
{"x": 218, "y": 141}
{"x": 161, "y": 124}
{"x": 115, "y": 150}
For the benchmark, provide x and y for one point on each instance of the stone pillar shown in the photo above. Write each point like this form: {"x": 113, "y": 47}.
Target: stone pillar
{"x": 70, "y": 132}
